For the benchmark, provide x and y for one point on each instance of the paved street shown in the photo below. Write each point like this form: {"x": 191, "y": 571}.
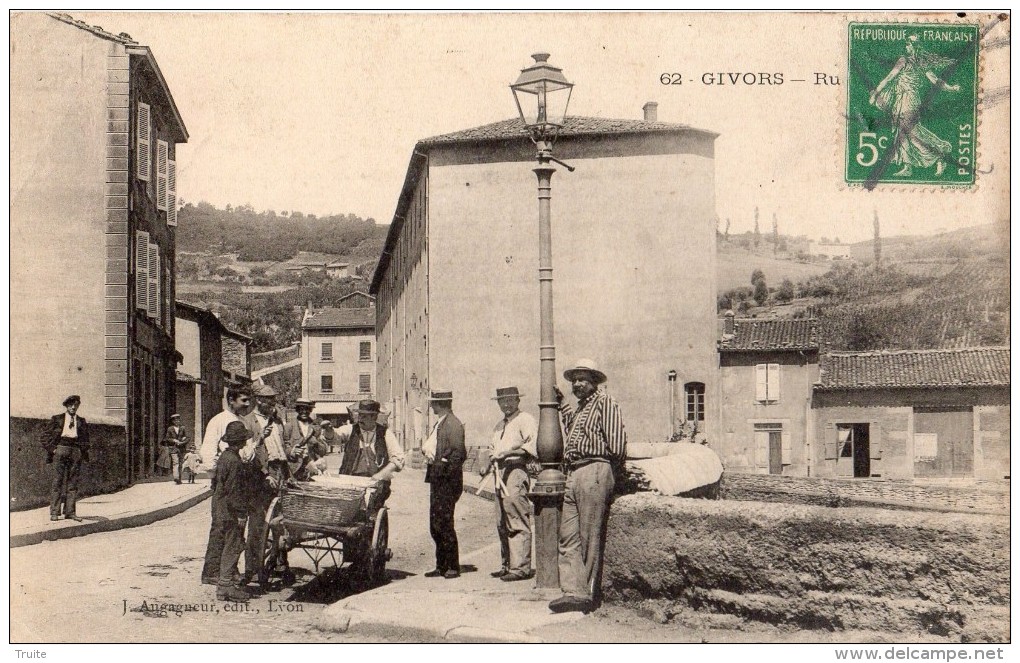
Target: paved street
{"x": 89, "y": 589}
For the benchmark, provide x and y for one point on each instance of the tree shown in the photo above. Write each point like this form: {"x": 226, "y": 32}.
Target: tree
{"x": 726, "y": 233}
{"x": 775, "y": 234}
{"x": 757, "y": 233}
{"x": 757, "y": 275}
{"x": 878, "y": 242}
{"x": 761, "y": 292}
{"x": 785, "y": 292}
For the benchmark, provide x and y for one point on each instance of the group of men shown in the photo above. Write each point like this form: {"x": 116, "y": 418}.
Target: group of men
{"x": 250, "y": 452}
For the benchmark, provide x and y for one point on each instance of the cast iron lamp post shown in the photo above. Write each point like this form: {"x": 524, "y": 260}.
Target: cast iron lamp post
{"x": 542, "y": 94}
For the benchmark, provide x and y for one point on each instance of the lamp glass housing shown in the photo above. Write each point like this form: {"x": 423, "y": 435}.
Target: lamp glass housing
{"x": 542, "y": 94}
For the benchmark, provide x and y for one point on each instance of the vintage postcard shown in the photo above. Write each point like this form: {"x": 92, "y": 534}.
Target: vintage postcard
{"x": 566, "y": 327}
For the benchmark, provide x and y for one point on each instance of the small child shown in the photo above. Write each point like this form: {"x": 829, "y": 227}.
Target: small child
{"x": 192, "y": 464}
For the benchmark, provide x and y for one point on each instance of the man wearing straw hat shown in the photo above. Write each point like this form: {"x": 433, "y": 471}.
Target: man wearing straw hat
{"x": 369, "y": 448}
{"x": 513, "y": 444}
{"x": 594, "y": 450}
{"x": 445, "y": 453}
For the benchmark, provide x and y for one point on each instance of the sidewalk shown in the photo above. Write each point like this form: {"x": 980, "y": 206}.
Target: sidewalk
{"x": 137, "y": 505}
{"x": 472, "y": 608}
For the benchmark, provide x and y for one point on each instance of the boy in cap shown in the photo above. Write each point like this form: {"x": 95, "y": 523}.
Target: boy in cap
{"x": 233, "y": 487}
{"x": 176, "y": 439}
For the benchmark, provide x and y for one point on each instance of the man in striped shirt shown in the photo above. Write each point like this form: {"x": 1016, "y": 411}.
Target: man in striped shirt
{"x": 594, "y": 449}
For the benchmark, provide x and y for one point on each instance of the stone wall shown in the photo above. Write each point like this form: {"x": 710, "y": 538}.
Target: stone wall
{"x": 30, "y": 478}
{"x": 260, "y": 360}
{"x": 971, "y": 497}
{"x": 814, "y": 567}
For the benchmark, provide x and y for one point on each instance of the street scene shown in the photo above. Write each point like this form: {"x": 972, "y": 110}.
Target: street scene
{"x": 390, "y": 328}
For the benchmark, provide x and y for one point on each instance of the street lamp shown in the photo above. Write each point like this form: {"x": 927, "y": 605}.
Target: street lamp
{"x": 671, "y": 376}
{"x": 542, "y": 94}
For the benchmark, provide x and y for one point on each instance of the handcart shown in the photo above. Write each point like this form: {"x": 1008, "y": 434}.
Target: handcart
{"x": 339, "y": 519}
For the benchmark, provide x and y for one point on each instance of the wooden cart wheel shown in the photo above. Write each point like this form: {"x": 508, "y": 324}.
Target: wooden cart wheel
{"x": 379, "y": 551}
{"x": 273, "y": 534}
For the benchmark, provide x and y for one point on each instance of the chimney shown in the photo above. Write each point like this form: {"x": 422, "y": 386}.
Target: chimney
{"x": 651, "y": 110}
{"x": 728, "y": 326}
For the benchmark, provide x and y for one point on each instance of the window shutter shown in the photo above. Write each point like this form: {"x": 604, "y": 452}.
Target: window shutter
{"x": 761, "y": 448}
{"x": 167, "y": 289}
{"x": 153, "y": 301}
{"x": 773, "y": 385}
{"x": 875, "y": 441}
{"x": 144, "y": 153}
{"x": 831, "y": 442}
{"x": 171, "y": 201}
{"x": 142, "y": 270}
{"x": 162, "y": 159}
{"x": 787, "y": 448}
{"x": 761, "y": 382}
{"x": 157, "y": 277}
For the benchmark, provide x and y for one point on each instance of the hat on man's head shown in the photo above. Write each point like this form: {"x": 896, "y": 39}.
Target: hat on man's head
{"x": 506, "y": 392}
{"x": 441, "y": 396}
{"x": 326, "y": 422}
{"x": 368, "y": 406}
{"x": 73, "y": 398}
{"x": 175, "y": 416}
{"x": 585, "y": 366}
{"x": 236, "y": 433}
{"x": 263, "y": 391}
{"x": 304, "y": 402}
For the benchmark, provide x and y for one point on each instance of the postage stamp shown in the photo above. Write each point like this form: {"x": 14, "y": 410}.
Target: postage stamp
{"x": 911, "y": 103}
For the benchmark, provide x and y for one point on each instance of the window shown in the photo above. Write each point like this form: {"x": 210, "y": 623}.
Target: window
{"x": 365, "y": 351}
{"x": 695, "y": 392}
{"x": 327, "y": 352}
{"x": 326, "y": 384}
{"x": 154, "y": 272}
{"x": 766, "y": 383}
{"x": 142, "y": 128}
{"x": 364, "y": 382}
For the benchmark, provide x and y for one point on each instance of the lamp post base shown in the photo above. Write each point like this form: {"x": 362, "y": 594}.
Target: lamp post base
{"x": 547, "y": 496}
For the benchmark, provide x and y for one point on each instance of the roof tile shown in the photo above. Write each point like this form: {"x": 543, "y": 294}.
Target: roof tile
{"x": 969, "y": 367}
{"x": 786, "y": 334}
{"x": 573, "y": 126}
{"x": 342, "y": 318}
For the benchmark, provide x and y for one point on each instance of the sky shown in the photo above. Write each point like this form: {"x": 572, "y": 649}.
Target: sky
{"x": 320, "y": 112}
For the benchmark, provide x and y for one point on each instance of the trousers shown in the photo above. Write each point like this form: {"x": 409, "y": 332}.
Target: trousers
{"x": 586, "y": 500}
{"x": 442, "y": 502}
{"x": 67, "y": 469}
{"x": 254, "y": 562}
{"x": 214, "y": 549}
{"x": 233, "y": 546}
{"x": 514, "y": 521}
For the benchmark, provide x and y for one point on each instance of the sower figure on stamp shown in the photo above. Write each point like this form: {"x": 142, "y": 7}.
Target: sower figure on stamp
{"x": 513, "y": 445}
{"x": 445, "y": 454}
{"x": 176, "y": 442}
{"x": 232, "y": 497}
{"x": 594, "y": 450}
{"x": 369, "y": 448}
{"x": 66, "y": 443}
{"x": 238, "y": 404}
{"x": 268, "y": 472}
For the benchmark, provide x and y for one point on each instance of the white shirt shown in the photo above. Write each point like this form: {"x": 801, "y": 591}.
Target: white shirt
{"x": 274, "y": 441}
{"x": 393, "y": 448}
{"x": 520, "y": 432}
{"x": 212, "y": 441}
{"x": 431, "y": 443}
{"x": 68, "y": 430}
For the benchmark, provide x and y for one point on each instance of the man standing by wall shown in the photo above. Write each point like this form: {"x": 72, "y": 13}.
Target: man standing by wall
{"x": 445, "y": 452}
{"x": 513, "y": 445}
{"x": 301, "y": 440}
{"x": 593, "y": 452}
{"x": 176, "y": 442}
{"x": 238, "y": 404}
{"x": 67, "y": 447}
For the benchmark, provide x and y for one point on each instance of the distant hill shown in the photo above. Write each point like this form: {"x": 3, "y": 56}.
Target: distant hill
{"x": 268, "y": 236}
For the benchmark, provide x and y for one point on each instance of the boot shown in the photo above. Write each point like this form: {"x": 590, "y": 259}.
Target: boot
{"x": 235, "y": 594}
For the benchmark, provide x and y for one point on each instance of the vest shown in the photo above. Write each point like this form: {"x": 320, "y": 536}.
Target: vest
{"x": 352, "y": 449}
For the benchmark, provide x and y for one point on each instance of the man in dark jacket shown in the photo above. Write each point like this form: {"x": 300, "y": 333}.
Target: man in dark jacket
{"x": 66, "y": 442}
{"x": 445, "y": 453}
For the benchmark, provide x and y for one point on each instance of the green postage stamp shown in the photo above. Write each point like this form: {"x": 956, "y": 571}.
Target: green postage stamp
{"x": 912, "y": 103}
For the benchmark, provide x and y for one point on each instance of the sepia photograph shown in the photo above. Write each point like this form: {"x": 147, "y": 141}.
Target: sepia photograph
{"x": 518, "y": 327}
